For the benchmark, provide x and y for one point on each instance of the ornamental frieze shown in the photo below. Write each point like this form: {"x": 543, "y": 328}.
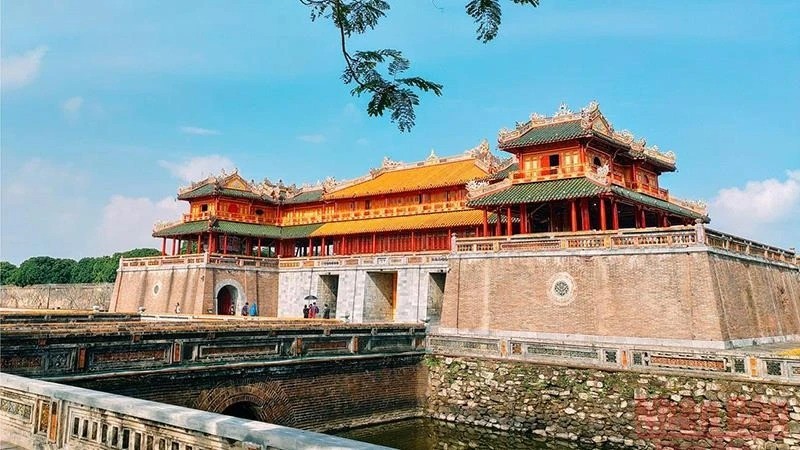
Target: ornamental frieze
{"x": 16, "y": 409}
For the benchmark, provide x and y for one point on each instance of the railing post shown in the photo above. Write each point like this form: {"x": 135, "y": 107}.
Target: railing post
{"x": 699, "y": 232}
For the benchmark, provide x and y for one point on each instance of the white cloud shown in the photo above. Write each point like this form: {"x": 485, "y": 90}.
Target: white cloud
{"x": 195, "y": 169}
{"x": 19, "y": 70}
{"x": 72, "y": 107}
{"x": 198, "y": 131}
{"x": 127, "y": 222}
{"x": 312, "y": 138}
{"x": 760, "y": 210}
{"x": 44, "y": 210}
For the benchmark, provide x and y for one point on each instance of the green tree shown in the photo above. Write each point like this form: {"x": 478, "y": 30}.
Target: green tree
{"x": 43, "y": 270}
{"x": 7, "y": 271}
{"x": 83, "y": 271}
{"x": 380, "y": 73}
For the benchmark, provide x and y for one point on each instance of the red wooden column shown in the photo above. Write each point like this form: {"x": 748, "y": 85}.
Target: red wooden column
{"x": 199, "y": 243}
{"x": 523, "y": 218}
{"x": 574, "y": 215}
{"x": 663, "y": 219}
{"x": 586, "y": 223}
{"x": 225, "y": 244}
{"x": 485, "y": 224}
{"x": 374, "y": 243}
{"x": 258, "y": 243}
{"x": 614, "y": 215}
{"x": 210, "y": 242}
{"x": 163, "y": 246}
{"x": 497, "y": 224}
{"x": 602, "y": 213}
{"x": 644, "y": 218}
{"x": 173, "y": 247}
{"x": 322, "y": 250}
{"x": 508, "y": 221}
{"x": 413, "y": 242}
{"x": 310, "y": 247}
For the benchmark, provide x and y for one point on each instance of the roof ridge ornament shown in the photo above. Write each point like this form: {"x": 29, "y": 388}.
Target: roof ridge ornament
{"x": 432, "y": 158}
{"x": 563, "y": 110}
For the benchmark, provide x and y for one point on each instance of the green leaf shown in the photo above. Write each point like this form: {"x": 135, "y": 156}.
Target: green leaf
{"x": 487, "y": 14}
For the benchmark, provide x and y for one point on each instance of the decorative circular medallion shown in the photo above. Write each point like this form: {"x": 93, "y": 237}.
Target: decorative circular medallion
{"x": 562, "y": 288}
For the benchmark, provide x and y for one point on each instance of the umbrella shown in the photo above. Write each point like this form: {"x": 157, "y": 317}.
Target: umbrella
{"x": 310, "y": 297}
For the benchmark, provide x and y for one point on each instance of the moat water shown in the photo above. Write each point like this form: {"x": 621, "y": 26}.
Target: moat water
{"x": 429, "y": 434}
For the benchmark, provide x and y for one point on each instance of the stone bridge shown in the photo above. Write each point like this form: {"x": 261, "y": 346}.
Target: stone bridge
{"x": 312, "y": 374}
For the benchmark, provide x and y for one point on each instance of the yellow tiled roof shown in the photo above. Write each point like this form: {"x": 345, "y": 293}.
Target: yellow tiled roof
{"x": 416, "y": 222}
{"x": 414, "y": 178}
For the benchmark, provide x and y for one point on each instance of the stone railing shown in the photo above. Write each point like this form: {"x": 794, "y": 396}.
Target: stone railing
{"x": 200, "y": 258}
{"x": 632, "y": 238}
{"x": 50, "y": 349}
{"x": 677, "y": 236}
{"x": 39, "y": 414}
{"x": 729, "y": 363}
{"x": 736, "y": 244}
{"x": 393, "y": 260}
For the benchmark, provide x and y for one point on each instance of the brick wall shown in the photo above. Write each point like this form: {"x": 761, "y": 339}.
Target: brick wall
{"x": 316, "y": 396}
{"x": 667, "y": 296}
{"x": 61, "y": 296}
{"x": 159, "y": 288}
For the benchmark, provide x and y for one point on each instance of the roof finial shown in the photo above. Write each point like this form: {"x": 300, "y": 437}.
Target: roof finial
{"x": 563, "y": 110}
{"x": 432, "y": 157}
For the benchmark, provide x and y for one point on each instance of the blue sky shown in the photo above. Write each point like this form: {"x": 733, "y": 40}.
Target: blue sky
{"x": 107, "y": 107}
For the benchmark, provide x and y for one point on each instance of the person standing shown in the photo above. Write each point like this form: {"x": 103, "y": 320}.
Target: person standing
{"x": 253, "y": 309}
{"x": 246, "y": 309}
{"x": 305, "y": 311}
{"x": 313, "y": 311}
{"x": 326, "y": 312}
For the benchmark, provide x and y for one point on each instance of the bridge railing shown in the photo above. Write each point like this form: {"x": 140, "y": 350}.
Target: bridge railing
{"x": 676, "y": 236}
{"x": 728, "y": 363}
{"x": 38, "y": 350}
{"x": 39, "y": 414}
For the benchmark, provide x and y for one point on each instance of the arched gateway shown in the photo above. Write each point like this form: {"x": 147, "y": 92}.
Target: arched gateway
{"x": 226, "y": 297}
{"x": 264, "y": 401}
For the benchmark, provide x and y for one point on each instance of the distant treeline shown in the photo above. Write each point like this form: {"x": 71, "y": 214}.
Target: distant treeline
{"x": 47, "y": 270}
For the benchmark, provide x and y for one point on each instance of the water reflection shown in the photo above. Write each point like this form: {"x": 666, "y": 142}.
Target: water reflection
{"x": 429, "y": 434}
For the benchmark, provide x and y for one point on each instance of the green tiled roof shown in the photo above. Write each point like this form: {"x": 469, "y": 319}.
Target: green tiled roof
{"x": 247, "y": 229}
{"x": 539, "y": 192}
{"x": 305, "y": 197}
{"x": 656, "y": 203}
{"x": 183, "y": 228}
{"x": 208, "y": 190}
{"x": 503, "y": 174}
{"x": 549, "y": 133}
{"x": 299, "y": 231}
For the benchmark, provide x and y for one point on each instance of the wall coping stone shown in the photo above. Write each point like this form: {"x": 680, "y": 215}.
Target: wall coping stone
{"x": 270, "y": 435}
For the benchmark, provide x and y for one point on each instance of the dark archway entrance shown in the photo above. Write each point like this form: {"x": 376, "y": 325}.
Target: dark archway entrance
{"x": 226, "y": 298}
{"x": 243, "y": 410}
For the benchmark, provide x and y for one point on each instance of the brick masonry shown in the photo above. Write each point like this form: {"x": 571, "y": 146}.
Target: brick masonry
{"x": 316, "y": 396}
{"x": 57, "y": 296}
{"x": 658, "y": 297}
{"x": 195, "y": 287}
